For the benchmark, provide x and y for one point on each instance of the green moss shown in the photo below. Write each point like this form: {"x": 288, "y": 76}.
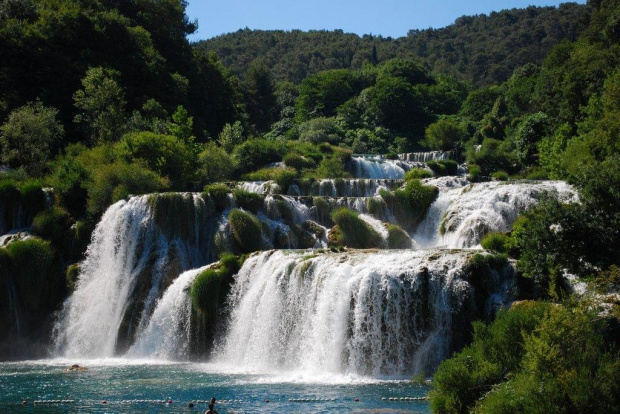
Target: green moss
{"x": 480, "y": 270}
{"x": 411, "y": 203}
{"x": 219, "y": 194}
{"x": 32, "y": 197}
{"x": 417, "y": 174}
{"x": 375, "y": 206}
{"x": 398, "y": 238}
{"x": 500, "y": 175}
{"x": 497, "y": 242}
{"x": 247, "y": 200}
{"x": 210, "y": 288}
{"x": 52, "y": 225}
{"x": 246, "y": 229}
{"x": 31, "y": 261}
{"x": 355, "y": 231}
{"x": 71, "y": 276}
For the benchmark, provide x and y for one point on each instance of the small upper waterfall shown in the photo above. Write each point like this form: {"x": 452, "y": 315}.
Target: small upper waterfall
{"x": 378, "y": 168}
{"x": 367, "y": 313}
{"x": 423, "y": 157}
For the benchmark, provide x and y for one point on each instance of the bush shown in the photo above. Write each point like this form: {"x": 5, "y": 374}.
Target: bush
{"x": 500, "y": 175}
{"x": 257, "y": 152}
{"x": 298, "y": 162}
{"x": 410, "y": 204}
{"x": 52, "y": 225}
{"x": 355, "y": 232}
{"x": 215, "y": 164}
{"x": 417, "y": 174}
{"x": 31, "y": 261}
{"x": 219, "y": 194}
{"x": 32, "y": 197}
{"x": 71, "y": 276}
{"x": 246, "y": 229}
{"x": 248, "y": 201}
{"x": 474, "y": 173}
{"x": 495, "y": 353}
{"x": 284, "y": 177}
{"x": 210, "y": 288}
{"x": 443, "y": 167}
{"x": 398, "y": 238}
{"x": 497, "y": 242}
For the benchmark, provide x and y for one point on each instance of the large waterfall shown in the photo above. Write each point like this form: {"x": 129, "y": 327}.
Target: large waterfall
{"x": 370, "y": 313}
{"x": 365, "y": 312}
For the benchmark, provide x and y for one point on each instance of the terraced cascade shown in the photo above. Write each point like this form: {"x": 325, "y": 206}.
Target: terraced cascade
{"x": 297, "y": 306}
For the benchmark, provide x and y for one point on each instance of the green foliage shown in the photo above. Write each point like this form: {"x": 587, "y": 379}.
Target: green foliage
{"x": 495, "y": 354}
{"x": 299, "y": 162}
{"x": 246, "y": 230}
{"x": 411, "y": 203}
{"x": 320, "y": 130}
{"x": 181, "y": 126}
{"x": 260, "y": 98}
{"x": 443, "y": 167}
{"x": 31, "y": 263}
{"x": 101, "y": 105}
{"x": 493, "y": 155}
{"x": 29, "y": 137}
{"x": 248, "y": 201}
{"x": 444, "y": 134}
{"x": 113, "y": 182}
{"x": 215, "y": 164}
{"x": 32, "y": 197}
{"x": 219, "y": 194}
{"x": 497, "y": 242}
{"x": 529, "y": 133}
{"x": 257, "y": 152}
{"x": 231, "y": 136}
{"x": 499, "y": 175}
{"x": 284, "y": 177}
{"x": 167, "y": 155}
{"x": 398, "y": 238}
{"x": 410, "y": 70}
{"x": 354, "y": 232}
{"x": 71, "y": 276}
{"x": 52, "y": 225}
{"x": 210, "y": 288}
{"x": 417, "y": 174}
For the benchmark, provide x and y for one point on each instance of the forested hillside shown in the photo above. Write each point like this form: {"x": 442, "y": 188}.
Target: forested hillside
{"x": 482, "y": 49}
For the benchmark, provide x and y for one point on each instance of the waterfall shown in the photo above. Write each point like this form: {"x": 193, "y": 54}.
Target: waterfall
{"x": 377, "y": 168}
{"x": 423, "y": 157}
{"x": 367, "y": 313}
{"x": 167, "y": 335}
{"x": 137, "y": 249}
{"x": 463, "y": 214}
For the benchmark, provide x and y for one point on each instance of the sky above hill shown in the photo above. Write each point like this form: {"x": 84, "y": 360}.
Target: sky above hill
{"x": 387, "y": 17}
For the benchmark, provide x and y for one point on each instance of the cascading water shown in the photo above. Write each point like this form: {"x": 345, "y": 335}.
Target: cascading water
{"x": 167, "y": 335}
{"x": 377, "y": 168}
{"x": 463, "y": 213}
{"x": 367, "y": 313}
{"x": 132, "y": 251}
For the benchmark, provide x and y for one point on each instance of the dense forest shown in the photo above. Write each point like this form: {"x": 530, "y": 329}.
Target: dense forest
{"x": 100, "y": 99}
{"x": 482, "y": 50}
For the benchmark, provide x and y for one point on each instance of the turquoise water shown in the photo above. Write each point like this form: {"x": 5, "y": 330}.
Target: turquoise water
{"x": 123, "y": 384}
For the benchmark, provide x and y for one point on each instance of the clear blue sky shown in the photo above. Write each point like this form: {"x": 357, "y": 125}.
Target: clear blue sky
{"x": 385, "y": 17}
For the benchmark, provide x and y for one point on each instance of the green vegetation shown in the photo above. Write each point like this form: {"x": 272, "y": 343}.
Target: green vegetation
{"x": 246, "y": 230}
{"x": 410, "y": 204}
{"x": 210, "y": 288}
{"x": 352, "y": 231}
{"x": 248, "y": 201}
{"x": 398, "y": 238}
{"x": 535, "y": 357}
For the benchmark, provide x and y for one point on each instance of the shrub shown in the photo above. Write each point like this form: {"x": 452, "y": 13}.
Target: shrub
{"x": 495, "y": 353}
{"x": 52, "y": 225}
{"x": 246, "y": 229}
{"x": 33, "y": 197}
{"x": 500, "y": 175}
{"x": 398, "y": 238}
{"x": 284, "y": 177}
{"x": 219, "y": 194}
{"x": 443, "y": 167}
{"x": 355, "y": 231}
{"x": 410, "y": 204}
{"x": 474, "y": 173}
{"x": 497, "y": 242}
{"x": 215, "y": 164}
{"x": 298, "y": 162}
{"x": 256, "y": 152}
{"x": 417, "y": 174}
{"x": 71, "y": 276}
{"x": 31, "y": 261}
{"x": 210, "y": 288}
{"x": 247, "y": 200}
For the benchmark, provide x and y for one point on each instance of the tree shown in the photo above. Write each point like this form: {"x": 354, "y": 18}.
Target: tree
{"x": 231, "y": 136}
{"x": 260, "y": 98}
{"x": 29, "y": 137}
{"x": 445, "y": 134}
{"x": 531, "y": 131}
{"x": 101, "y": 105}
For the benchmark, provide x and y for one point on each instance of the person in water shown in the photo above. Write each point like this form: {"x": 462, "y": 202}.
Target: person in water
{"x": 211, "y": 410}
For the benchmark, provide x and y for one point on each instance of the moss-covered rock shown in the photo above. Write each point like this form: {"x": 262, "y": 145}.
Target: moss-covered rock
{"x": 398, "y": 238}
{"x": 353, "y": 231}
{"x": 219, "y": 194}
{"x": 417, "y": 174}
{"x": 247, "y": 200}
{"x": 246, "y": 230}
{"x": 210, "y": 288}
{"x": 52, "y": 225}
{"x": 71, "y": 276}
{"x": 410, "y": 203}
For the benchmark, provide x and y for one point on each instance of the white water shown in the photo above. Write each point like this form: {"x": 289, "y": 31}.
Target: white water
{"x": 127, "y": 245}
{"x": 423, "y": 157}
{"x": 468, "y": 212}
{"x": 367, "y": 313}
{"x": 167, "y": 335}
{"x": 377, "y": 168}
